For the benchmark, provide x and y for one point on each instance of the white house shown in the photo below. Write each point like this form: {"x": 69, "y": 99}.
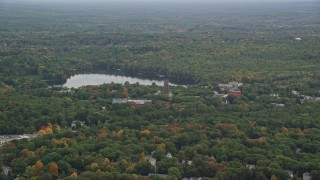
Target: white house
{"x": 297, "y": 39}
{"x": 188, "y": 162}
{"x": 151, "y": 160}
{"x": 306, "y": 176}
{"x": 290, "y": 173}
{"x": 250, "y": 166}
{"x": 192, "y": 178}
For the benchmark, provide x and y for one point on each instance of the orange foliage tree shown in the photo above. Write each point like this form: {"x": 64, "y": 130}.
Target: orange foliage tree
{"x": 146, "y": 132}
{"x": 37, "y": 167}
{"x": 273, "y": 177}
{"x": 155, "y": 139}
{"x": 103, "y": 132}
{"x": 74, "y": 174}
{"x": 176, "y": 129}
{"x": 46, "y": 129}
{"x": 54, "y": 169}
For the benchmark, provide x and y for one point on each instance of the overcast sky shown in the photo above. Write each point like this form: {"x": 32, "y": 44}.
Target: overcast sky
{"x": 132, "y": 3}
{"x": 168, "y": 1}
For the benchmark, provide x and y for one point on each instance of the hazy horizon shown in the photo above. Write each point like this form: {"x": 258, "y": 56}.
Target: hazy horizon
{"x": 159, "y": 1}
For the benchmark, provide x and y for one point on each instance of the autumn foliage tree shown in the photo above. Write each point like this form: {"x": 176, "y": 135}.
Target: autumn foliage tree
{"x": 103, "y": 132}
{"x": 46, "y": 129}
{"x": 74, "y": 174}
{"x": 155, "y": 139}
{"x": 35, "y": 169}
{"x": 146, "y": 132}
{"x": 273, "y": 177}
{"x": 54, "y": 169}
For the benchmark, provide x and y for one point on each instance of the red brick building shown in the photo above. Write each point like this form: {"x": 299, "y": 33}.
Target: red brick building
{"x": 234, "y": 92}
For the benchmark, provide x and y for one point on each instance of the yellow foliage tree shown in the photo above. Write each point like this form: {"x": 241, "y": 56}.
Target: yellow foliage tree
{"x": 109, "y": 168}
{"x": 176, "y": 129}
{"x": 161, "y": 146}
{"x": 54, "y": 142}
{"x": 25, "y": 152}
{"x": 146, "y": 132}
{"x": 49, "y": 125}
{"x": 41, "y": 150}
{"x": 57, "y": 128}
{"x": 46, "y": 130}
{"x": 120, "y": 133}
{"x": 106, "y": 160}
{"x": 284, "y": 130}
{"x": 298, "y": 131}
{"x": 74, "y": 174}
{"x": 126, "y": 93}
{"x": 143, "y": 157}
{"x": 94, "y": 166}
{"x": 41, "y": 132}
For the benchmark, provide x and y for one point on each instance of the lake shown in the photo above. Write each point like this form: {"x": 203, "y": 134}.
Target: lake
{"x": 79, "y": 80}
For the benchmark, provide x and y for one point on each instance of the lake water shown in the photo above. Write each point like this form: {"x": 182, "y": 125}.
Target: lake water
{"x": 98, "y": 79}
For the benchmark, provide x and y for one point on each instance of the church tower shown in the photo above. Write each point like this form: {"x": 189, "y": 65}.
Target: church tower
{"x": 166, "y": 86}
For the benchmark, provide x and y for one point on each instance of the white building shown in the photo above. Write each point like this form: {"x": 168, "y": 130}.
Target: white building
{"x": 250, "y": 166}
{"x": 306, "y": 176}
{"x": 290, "y": 173}
{"x": 297, "y": 39}
{"x": 151, "y": 160}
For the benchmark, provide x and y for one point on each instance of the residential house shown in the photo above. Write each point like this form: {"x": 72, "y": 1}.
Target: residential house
{"x": 139, "y": 102}
{"x": 220, "y": 95}
{"x": 6, "y": 170}
{"x": 188, "y": 162}
{"x": 192, "y": 178}
{"x": 296, "y": 93}
{"x": 158, "y": 92}
{"x": 169, "y": 155}
{"x": 236, "y": 93}
{"x": 290, "y": 173}
{"x": 306, "y": 176}
{"x": 151, "y": 160}
{"x": 250, "y": 166}
{"x": 119, "y": 101}
{"x": 74, "y": 124}
{"x": 133, "y": 102}
{"x": 230, "y": 86}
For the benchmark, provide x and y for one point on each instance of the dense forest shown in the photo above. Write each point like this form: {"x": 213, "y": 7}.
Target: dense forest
{"x": 270, "y": 131}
